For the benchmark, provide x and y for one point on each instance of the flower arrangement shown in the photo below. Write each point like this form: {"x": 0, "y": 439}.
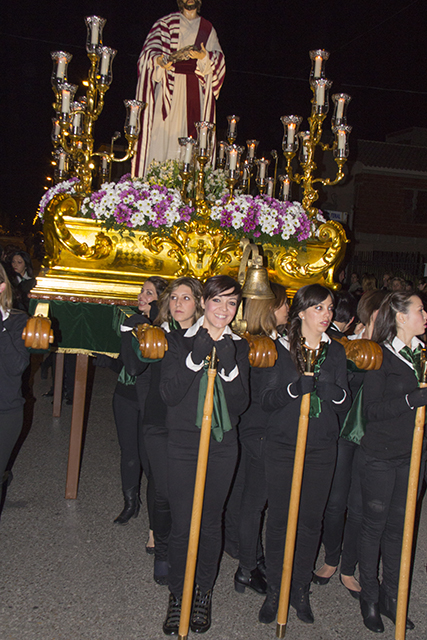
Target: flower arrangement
{"x": 263, "y": 218}
{"x": 167, "y": 174}
{"x": 147, "y": 204}
{"x": 67, "y": 186}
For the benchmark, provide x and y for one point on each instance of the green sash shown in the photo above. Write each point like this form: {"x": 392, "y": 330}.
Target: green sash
{"x": 414, "y": 357}
{"x": 354, "y": 425}
{"x": 315, "y": 401}
{"x": 221, "y": 422}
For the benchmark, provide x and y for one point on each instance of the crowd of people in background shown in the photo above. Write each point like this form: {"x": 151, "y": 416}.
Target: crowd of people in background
{"x": 359, "y": 433}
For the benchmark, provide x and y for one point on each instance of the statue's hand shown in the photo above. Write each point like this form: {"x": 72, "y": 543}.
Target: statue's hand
{"x": 165, "y": 65}
{"x": 198, "y": 55}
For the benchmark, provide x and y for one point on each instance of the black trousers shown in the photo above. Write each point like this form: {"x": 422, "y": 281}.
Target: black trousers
{"x": 345, "y": 498}
{"x": 254, "y": 499}
{"x": 133, "y": 457}
{"x": 384, "y": 486}
{"x": 10, "y": 428}
{"x": 182, "y": 461}
{"x": 317, "y": 478}
{"x": 156, "y": 445}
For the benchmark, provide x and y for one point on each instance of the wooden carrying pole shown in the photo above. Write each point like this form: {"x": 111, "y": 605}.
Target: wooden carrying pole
{"x": 291, "y": 531}
{"x": 408, "y": 530}
{"x": 199, "y": 490}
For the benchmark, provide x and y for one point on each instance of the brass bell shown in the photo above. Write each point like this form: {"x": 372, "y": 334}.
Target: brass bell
{"x": 256, "y": 284}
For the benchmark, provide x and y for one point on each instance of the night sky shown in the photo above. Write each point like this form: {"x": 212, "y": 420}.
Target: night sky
{"x": 378, "y": 56}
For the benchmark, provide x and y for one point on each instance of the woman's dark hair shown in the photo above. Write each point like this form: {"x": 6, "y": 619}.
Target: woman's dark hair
{"x": 160, "y": 284}
{"x": 368, "y": 303}
{"x": 385, "y": 327}
{"x": 26, "y": 258}
{"x": 259, "y": 314}
{"x": 308, "y": 296}
{"x": 216, "y": 285}
{"x": 163, "y": 304}
{"x": 345, "y": 307}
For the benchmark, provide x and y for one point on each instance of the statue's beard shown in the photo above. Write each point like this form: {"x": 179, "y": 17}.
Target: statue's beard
{"x": 190, "y": 6}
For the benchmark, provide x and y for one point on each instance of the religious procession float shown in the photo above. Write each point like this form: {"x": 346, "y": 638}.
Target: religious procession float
{"x": 184, "y": 217}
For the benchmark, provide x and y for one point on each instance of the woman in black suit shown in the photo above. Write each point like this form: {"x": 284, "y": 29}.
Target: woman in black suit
{"x": 183, "y": 368}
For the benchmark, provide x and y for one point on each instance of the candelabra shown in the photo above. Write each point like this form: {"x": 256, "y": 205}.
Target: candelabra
{"x": 72, "y": 133}
{"x": 309, "y": 140}
{"x": 204, "y": 148}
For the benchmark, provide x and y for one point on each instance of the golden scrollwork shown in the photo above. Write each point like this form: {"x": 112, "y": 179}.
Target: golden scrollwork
{"x": 201, "y": 251}
{"x": 85, "y": 259}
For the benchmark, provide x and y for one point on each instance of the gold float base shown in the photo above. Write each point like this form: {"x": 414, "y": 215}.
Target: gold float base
{"x": 85, "y": 260}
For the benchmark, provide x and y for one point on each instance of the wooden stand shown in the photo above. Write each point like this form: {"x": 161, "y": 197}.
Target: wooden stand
{"x": 408, "y": 531}
{"x": 196, "y": 515}
{"x": 291, "y": 530}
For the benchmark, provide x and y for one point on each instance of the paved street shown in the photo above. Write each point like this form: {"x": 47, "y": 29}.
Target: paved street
{"x": 68, "y": 573}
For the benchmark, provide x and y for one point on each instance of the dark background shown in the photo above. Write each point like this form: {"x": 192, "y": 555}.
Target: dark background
{"x": 378, "y": 56}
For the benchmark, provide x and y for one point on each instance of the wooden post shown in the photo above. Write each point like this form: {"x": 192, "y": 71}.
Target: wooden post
{"x": 196, "y": 515}
{"x": 57, "y": 389}
{"x": 76, "y": 433}
{"x": 291, "y": 530}
{"x": 408, "y": 531}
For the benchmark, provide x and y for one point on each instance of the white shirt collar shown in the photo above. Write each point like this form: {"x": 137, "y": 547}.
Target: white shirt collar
{"x": 398, "y": 344}
{"x": 285, "y": 342}
{"x": 4, "y": 314}
{"x": 196, "y": 326}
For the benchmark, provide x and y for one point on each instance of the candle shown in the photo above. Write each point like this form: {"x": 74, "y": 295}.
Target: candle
{"x": 340, "y": 109}
{"x": 105, "y": 61}
{"x": 291, "y": 133}
{"x": 221, "y": 151}
{"x": 246, "y": 171}
{"x": 270, "y": 187}
{"x": 232, "y": 126}
{"x": 104, "y": 163}
{"x": 341, "y": 140}
{"x": 133, "y": 116}
{"x": 203, "y": 137}
{"x": 60, "y": 69}
{"x": 233, "y": 159}
{"x": 320, "y": 95}
{"x": 61, "y": 161}
{"x": 77, "y": 123}
{"x": 251, "y": 151}
{"x": 262, "y": 168}
{"x": 188, "y": 152}
{"x": 65, "y": 105}
{"x": 317, "y": 66}
{"x": 94, "y": 33}
{"x": 285, "y": 189}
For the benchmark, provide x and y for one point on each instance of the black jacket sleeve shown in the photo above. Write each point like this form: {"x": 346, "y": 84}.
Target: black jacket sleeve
{"x": 133, "y": 365}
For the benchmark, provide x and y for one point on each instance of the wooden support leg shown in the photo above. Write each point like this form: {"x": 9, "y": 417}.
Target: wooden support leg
{"x": 57, "y": 389}
{"x": 76, "y": 433}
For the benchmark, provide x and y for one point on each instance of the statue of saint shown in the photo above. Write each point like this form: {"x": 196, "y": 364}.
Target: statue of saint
{"x": 180, "y": 73}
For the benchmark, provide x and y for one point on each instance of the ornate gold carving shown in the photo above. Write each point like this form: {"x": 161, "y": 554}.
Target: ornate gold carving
{"x": 200, "y": 251}
{"x": 85, "y": 260}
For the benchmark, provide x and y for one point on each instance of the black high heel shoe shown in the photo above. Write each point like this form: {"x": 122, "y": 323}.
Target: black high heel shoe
{"x": 371, "y": 616}
{"x": 352, "y": 592}
{"x": 252, "y": 579}
{"x": 320, "y": 579}
{"x": 388, "y": 608}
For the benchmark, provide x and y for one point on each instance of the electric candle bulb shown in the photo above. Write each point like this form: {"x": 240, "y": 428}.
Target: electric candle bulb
{"x": 65, "y": 104}
{"x": 60, "y": 70}
{"x": 105, "y": 61}
{"x": 291, "y": 133}
{"x": 340, "y": 108}
{"x": 188, "y": 152}
{"x": 133, "y": 116}
{"x": 317, "y": 66}
{"x": 203, "y": 137}
{"x": 233, "y": 159}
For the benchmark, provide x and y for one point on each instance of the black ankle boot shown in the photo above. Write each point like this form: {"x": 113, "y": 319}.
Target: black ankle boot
{"x": 161, "y": 569}
{"x": 300, "y": 600}
{"x": 171, "y": 623}
{"x": 202, "y": 609}
{"x": 252, "y": 579}
{"x": 132, "y": 505}
{"x": 388, "y": 607}
{"x": 268, "y": 611}
{"x": 371, "y": 616}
